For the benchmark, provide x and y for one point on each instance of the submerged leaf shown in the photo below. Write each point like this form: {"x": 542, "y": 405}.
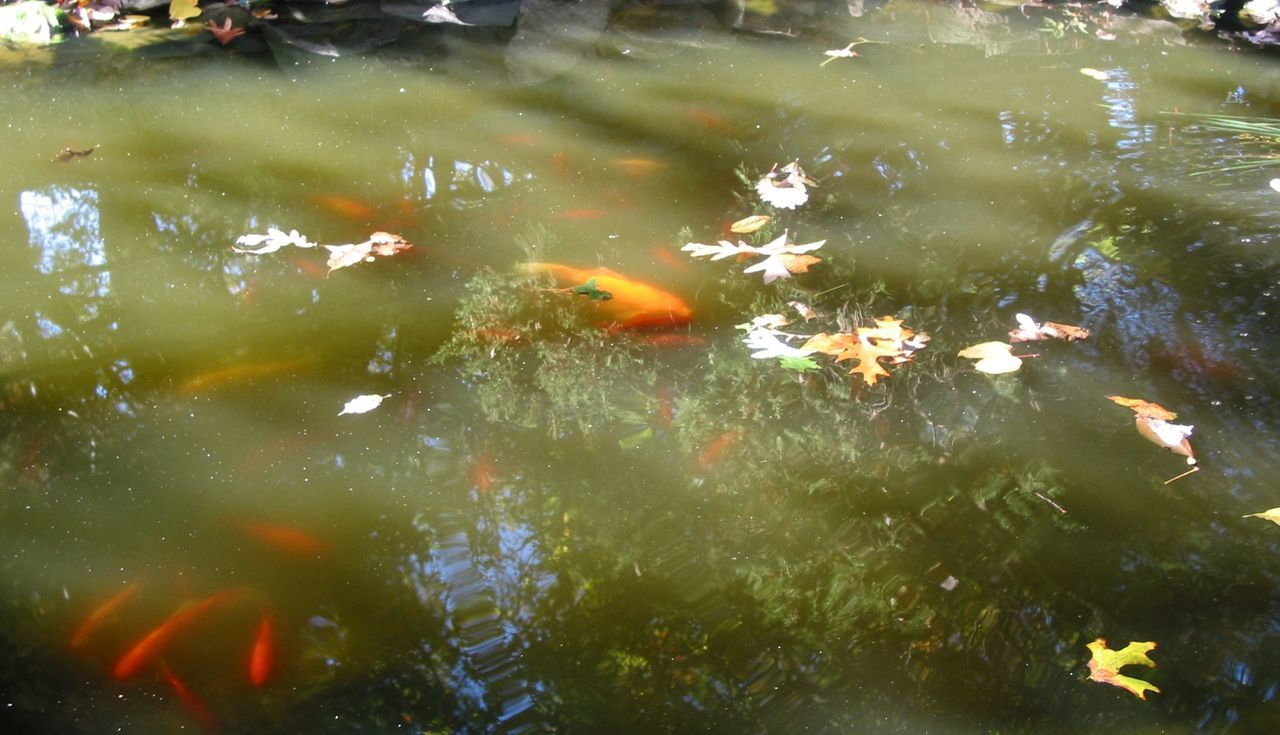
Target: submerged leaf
{"x": 590, "y": 290}
{"x": 1105, "y": 665}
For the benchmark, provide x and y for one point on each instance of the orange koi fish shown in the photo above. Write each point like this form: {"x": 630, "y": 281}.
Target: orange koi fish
{"x": 196, "y": 706}
{"x": 220, "y": 377}
{"x": 154, "y": 643}
{"x": 670, "y": 259}
{"x": 581, "y": 214}
{"x": 103, "y": 613}
{"x": 707, "y": 119}
{"x": 483, "y": 472}
{"x": 285, "y": 538}
{"x": 262, "y": 659}
{"x": 635, "y": 304}
{"x": 639, "y": 168}
{"x": 717, "y": 448}
{"x": 345, "y": 207}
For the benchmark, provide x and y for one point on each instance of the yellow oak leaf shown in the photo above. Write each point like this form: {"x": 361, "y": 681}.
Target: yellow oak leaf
{"x": 1145, "y": 408}
{"x": 750, "y": 224}
{"x": 1105, "y": 665}
{"x": 182, "y": 10}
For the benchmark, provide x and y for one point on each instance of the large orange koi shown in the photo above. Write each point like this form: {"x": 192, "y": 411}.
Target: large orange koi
{"x": 634, "y": 304}
{"x": 103, "y": 613}
{"x": 154, "y": 643}
{"x": 262, "y": 659}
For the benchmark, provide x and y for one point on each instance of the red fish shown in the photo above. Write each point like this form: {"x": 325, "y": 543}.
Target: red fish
{"x": 285, "y": 538}
{"x": 262, "y": 659}
{"x": 154, "y": 643}
{"x": 103, "y": 613}
{"x": 707, "y": 119}
{"x": 309, "y": 267}
{"x": 717, "y": 448}
{"x": 196, "y": 706}
{"x": 483, "y": 472}
{"x": 345, "y": 207}
{"x": 634, "y": 304}
{"x": 670, "y": 259}
{"x": 666, "y": 405}
{"x": 581, "y": 214}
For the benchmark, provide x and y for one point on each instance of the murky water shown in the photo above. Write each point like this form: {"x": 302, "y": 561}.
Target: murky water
{"x": 551, "y": 526}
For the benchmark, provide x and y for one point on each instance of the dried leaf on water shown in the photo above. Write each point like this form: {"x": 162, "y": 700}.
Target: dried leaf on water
{"x": 748, "y": 225}
{"x": 786, "y": 187}
{"x": 1029, "y": 330}
{"x": 379, "y": 244}
{"x": 1272, "y": 515}
{"x": 782, "y": 259}
{"x": 362, "y": 404}
{"x": 993, "y": 358}
{"x": 1153, "y": 422}
{"x": 1105, "y": 665}
{"x": 69, "y": 154}
{"x": 868, "y": 345}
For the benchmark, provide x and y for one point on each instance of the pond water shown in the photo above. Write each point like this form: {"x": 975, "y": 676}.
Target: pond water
{"x": 551, "y": 526}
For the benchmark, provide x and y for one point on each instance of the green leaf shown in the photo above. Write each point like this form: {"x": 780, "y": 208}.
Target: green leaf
{"x": 1105, "y": 666}
{"x": 589, "y": 290}
{"x": 799, "y": 364}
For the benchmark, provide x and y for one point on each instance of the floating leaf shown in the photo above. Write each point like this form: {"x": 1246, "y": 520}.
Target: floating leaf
{"x": 1029, "y": 331}
{"x": 782, "y": 260}
{"x": 68, "y": 154}
{"x": 271, "y": 242}
{"x": 868, "y": 345}
{"x": 993, "y": 358}
{"x": 589, "y": 290}
{"x": 1101, "y": 76}
{"x": 799, "y": 364}
{"x": 1105, "y": 665}
{"x": 1272, "y": 515}
{"x": 183, "y": 10}
{"x": 225, "y": 33}
{"x": 785, "y": 188}
{"x": 362, "y": 404}
{"x": 379, "y": 244}
{"x": 748, "y": 225}
{"x": 1153, "y": 423}
{"x": 840, "y": 53}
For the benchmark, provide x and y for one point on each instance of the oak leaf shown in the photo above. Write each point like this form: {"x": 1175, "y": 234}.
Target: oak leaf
{"x": 782, "y": 260}
{"x": 1105, "y": 665}
{"x": 868, "y": 345}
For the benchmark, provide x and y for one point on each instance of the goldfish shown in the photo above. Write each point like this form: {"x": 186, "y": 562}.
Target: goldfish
{"x": 219, "y": 377}
{"x": 103, "y": 613}
{"x": 634, "y": 304}
{"x": 581, "y": 214}
{"x": 153, "y": 644}
{"x": 640, "y": 167}
{"x": 707, "y": 119}
{"x": 262, "y": 659}
{"x": 717, "y": 448}
{"x": 483, "y": 472}
{"x": 670, "y": 259}
{"x": 345, "y": 207}
{"x": 190, "y": 700}
{"x": 285, "y": 538}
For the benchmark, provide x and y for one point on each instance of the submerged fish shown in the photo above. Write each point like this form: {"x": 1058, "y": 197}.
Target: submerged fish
{"x": 191, "y": 701}
{"x": 345, "y": 207}
{"x": 103, "y": 613}
{"x": 285, "y": 538}
{"x": 242, "y": 372}
{"x": 634, "y": 304}
{"x": 153, "y": 644}
{"x": 262, "y": 659}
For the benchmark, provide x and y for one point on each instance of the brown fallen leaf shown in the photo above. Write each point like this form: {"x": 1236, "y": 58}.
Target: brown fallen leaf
{"x": 379, "y": 244}
{"x": 1029, "y": 331}
{"x": 887, "y": 339}
{"x": 224, "y": 33}
{"x": 1153, "y": 423}
{"x": 67, "y": 154}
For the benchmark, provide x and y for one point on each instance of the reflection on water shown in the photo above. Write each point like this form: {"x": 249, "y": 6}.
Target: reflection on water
{"x": 548, "y": 525}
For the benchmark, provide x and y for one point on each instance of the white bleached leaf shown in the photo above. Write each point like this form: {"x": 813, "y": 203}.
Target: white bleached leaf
{"x": 362, "y": 404}
{"x": 766, "y": 344}
{"x": 724, "y": 249}
{"x": 271, "y": 242}
{"x": 780, "y": 263}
